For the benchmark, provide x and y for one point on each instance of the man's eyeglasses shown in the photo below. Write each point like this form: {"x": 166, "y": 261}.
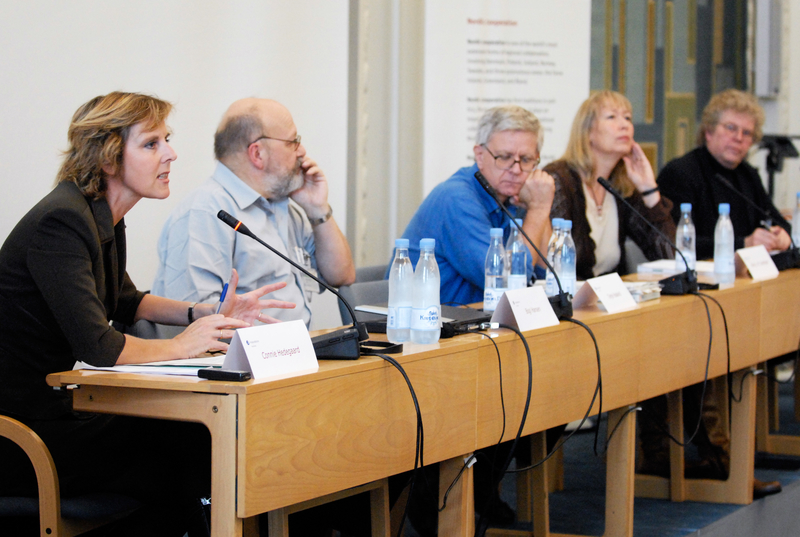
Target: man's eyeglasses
{"x": 506, "y": 162}
{"x": 735, "y": 129}
{"x": 295, "y": 142}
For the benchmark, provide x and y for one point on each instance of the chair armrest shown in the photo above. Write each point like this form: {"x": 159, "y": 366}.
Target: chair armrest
{"x": 43, "y": 465}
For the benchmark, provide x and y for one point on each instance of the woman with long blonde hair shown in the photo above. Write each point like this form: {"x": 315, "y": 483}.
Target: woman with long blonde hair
{"x": 601, "y": 144}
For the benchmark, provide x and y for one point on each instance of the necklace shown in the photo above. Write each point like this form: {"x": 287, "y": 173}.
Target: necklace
{"x": 597, "y": 204}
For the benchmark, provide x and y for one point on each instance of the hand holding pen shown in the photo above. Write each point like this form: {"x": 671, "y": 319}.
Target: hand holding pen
{"x": 222, "y": 296}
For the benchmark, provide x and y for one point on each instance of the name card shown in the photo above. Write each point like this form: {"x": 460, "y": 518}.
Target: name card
{"x": 610, "y": 290}
{"x": 526, "y": 309}
{"x": 272, "y": 351}
{"x": 758, "y": 262}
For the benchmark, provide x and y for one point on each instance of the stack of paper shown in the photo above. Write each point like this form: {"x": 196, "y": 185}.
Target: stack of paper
{"x": 641, "y": 291}
{"x": 186, "y": 367}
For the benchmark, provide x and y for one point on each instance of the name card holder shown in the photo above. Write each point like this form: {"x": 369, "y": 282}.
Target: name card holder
{"x": 272, "y": 351}
{"x": 526, "y": 309}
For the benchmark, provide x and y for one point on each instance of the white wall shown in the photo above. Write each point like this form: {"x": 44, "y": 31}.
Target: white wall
{"x": 200, "y": 55}
{"x": 783, "y": 113}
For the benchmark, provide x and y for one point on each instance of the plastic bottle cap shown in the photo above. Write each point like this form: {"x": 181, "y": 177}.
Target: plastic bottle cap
{"x": 724, "y": 208}
{"x": 557, "y": 222}
{"x": 427, "y": 243}
{"x": 496, "y": 232}
{"x": 401, "y": 243}
{"x": 566, "y": 224}
{"x": 686, "y": 207}
{"x": 519, "y": 220}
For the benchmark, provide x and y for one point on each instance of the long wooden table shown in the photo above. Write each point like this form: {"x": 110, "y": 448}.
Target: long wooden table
{"x": 278, "y": 443}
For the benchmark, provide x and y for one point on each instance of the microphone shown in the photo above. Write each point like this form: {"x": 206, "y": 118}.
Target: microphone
{"x": 562, "y": 302}
{"x": 340, "y": 344}
{"x": 679, "y": 284}
{"x": 783, "y": 260}
{"x": 767, "y": 222}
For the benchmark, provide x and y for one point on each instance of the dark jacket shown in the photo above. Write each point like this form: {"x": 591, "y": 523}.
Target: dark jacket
{"x": 62, "y": 279}
{"x": 569, "y": 202}
{"x": 692, "y": 179}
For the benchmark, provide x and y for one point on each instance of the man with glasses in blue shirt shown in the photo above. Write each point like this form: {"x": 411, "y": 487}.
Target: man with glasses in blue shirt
{"x": 458, "y": 213}
{"x": 265, "y": 179}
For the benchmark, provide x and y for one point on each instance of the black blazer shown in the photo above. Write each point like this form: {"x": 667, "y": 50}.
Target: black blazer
{"x": 62, "y": 279}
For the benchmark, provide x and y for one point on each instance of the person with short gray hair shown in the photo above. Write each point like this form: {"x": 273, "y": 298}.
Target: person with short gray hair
{"x": 458, "y": 213}
{"x": 509, "y": 118}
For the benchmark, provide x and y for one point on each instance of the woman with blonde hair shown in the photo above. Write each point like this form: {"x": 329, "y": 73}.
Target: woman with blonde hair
{"x": 62, "y": 279}
{"x": 601, "y": 144}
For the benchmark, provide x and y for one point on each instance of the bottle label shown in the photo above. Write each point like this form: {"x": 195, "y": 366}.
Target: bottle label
{"x": 491, "y": 297}
{"x": 517, "y": 281}
{"x": 724, "y": 265}
{"x": 425, "y": 318}
{"x": 551, "y": 288}
{"x": 399, "y": 318}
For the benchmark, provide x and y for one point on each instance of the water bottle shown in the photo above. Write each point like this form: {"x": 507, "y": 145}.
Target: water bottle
{"x": 796, "y": 223}
{"x": 568, "y": 257}
{"x": 551, "y": 286}
{"x": 686, "y": 239}
{"x": 724, "y": 268}
{"x": 516, "y": 258}
{"x": 425, "y": 306}
{"x": 495, "y": 270}
{"x": 401, "y": 290}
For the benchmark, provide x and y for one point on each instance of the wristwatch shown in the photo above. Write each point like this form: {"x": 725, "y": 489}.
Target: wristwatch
{"x": 317, "y": 221}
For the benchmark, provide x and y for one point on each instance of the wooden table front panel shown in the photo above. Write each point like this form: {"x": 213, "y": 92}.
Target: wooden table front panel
{"x": 310, "y": 439}
{"x": 780, "y": 313}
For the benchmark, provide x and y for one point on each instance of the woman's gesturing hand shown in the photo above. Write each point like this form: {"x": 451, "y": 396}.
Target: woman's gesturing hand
{"x": 247, "y": 306}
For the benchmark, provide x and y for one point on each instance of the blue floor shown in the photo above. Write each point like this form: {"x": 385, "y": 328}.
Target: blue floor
{"x": 580, "y": 507}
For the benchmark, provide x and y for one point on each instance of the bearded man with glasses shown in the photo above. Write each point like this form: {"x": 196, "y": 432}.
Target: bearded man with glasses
{"x": 458, "y": 213}
{"x": 264, "y": 178}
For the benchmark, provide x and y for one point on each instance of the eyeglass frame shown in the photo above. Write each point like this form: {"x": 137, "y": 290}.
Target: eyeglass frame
{"x": 735, "y": 129}
{"x": 296, "y": 141}
{"x": 516, "y": 161}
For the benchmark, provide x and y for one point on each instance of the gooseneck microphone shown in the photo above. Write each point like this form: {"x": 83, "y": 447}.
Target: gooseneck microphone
{"x": 783, "y": 260}
{"x": 562, "y": 302}
{"x": 679, "y": 284}
{"x": 341, "y": 344}
{"x": 766, "y": 223}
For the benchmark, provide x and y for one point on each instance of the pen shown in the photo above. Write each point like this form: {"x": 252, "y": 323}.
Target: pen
{"x": 222, "y": 296}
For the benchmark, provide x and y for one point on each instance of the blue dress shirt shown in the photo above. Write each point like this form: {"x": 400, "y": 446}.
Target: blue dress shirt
{"x": 458, "y": 213}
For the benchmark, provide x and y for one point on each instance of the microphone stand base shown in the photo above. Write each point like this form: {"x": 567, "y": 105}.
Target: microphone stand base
{"x": 340, "y": 344}
{"x": 562, "y": 305}
{"x": 788, "y": 259}
{"x": 680, "y": 284}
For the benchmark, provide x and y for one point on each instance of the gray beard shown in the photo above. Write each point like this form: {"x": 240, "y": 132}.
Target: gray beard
{"x": 287, "y": 184}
